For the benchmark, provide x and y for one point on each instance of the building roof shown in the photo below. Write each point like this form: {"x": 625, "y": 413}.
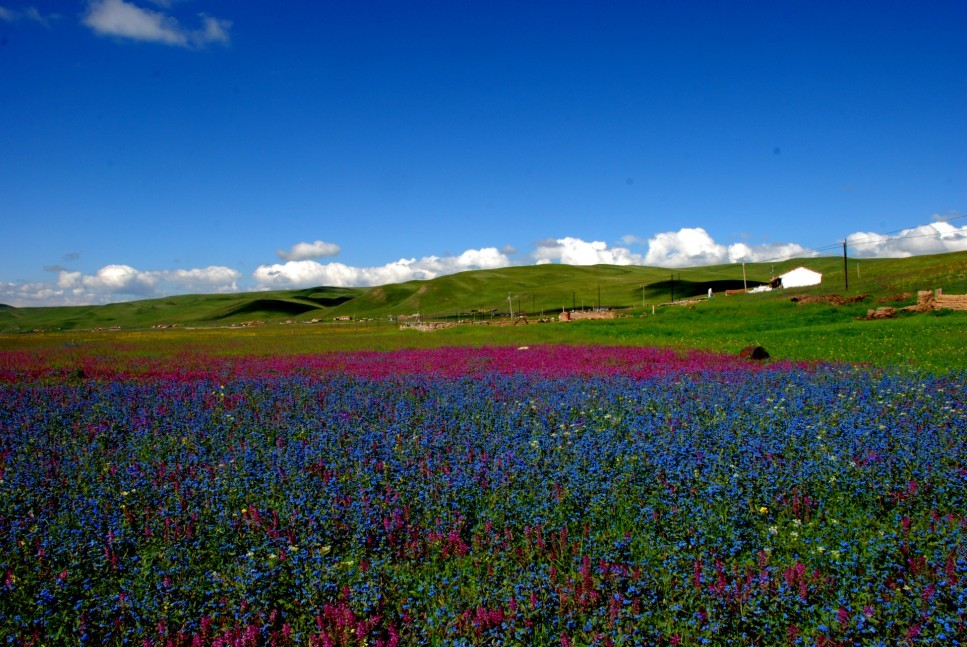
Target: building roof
{"x": 796, "y": 269}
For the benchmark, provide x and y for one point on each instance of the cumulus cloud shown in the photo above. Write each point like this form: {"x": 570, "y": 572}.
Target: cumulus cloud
{"x": 126, "y": 20}
{"x": 574, "y": 251}
{"x": 935, "y": 238}
{"x": 114, "y": 283}
{"x": 686, "y": 247}
{"x": 306, "y": 273}
{"x": 126, "y": 280}
{"x": 693, "y": 246}
{"x": 23, "y": 295}
{"x": 305, "y": 251}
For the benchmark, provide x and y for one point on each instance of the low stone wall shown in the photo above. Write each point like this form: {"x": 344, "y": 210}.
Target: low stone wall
{"x": 428, "y": 326}
{"x": 591, "y": 314}
{"x": 950, "y": 301}
{"x": 936, "y": 299}
{"x": 927, "y": 300}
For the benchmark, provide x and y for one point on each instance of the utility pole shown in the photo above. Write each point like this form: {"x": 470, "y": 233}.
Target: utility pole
{"x": 510, "y": 301}
{"x": 745, "y": 285}
{"x": 845, "y": 268}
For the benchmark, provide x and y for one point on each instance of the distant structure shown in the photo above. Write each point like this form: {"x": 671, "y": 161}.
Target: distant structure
{"x": 797, "y": 278}
{"x": 578, "y": 315}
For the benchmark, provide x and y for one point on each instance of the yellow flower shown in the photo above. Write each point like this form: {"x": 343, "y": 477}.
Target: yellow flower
{"x": 763, "y": 510}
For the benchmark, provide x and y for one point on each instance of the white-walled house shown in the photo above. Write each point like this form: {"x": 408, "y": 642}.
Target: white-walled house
{"x": 800, "y": 277}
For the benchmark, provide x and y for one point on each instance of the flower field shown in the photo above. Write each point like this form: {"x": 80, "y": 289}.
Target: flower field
{"x": 492, "y": 496}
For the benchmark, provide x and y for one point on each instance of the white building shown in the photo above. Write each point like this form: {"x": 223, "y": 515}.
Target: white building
{"x": 800, "y": 277}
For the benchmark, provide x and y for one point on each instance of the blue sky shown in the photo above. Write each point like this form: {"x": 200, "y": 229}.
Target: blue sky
{"x": 159, "y": 147}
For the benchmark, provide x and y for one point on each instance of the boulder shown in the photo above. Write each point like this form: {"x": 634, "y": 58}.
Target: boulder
{"x": 754, "y": 352}
{"x": 881, "y": 313}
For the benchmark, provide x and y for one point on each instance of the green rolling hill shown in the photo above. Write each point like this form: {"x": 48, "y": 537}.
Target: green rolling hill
{"x": 531, "y": 290}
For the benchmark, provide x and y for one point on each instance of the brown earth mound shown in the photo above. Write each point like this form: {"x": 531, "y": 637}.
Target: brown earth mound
{"x": 830, "y": 299}
{"x": 886, "y": 312}
{"x": 895, "y": 298}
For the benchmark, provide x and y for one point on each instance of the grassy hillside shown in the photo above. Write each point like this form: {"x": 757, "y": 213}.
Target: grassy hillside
{"x": 531, "y": 290}
{"x": 549, "y": 288}
{"x": 190, "y": 309}
{"x": 788, "y": 329}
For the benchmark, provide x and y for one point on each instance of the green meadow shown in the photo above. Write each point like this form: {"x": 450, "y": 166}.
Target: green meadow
{"x": 653, "y": 307}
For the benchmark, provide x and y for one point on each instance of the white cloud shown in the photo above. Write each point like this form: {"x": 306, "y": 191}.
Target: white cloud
{"x": 215, "y": 278}
{"x": 122, "y": 279}
{"x": 739, "y": 252}
{"x": 66, "y": 279}
{"x": 305, "y": 251}
{"x": 690, "y": 247}
{"x": 126, "y": 20}
{"x": 306, "y": 273}
{"x": 935, "y": 238}
{"x": 686, "y": 247}
{"x": 574, "y": 251}
{"x": 114, "y": 283}
{"x": 24, "y": 295}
